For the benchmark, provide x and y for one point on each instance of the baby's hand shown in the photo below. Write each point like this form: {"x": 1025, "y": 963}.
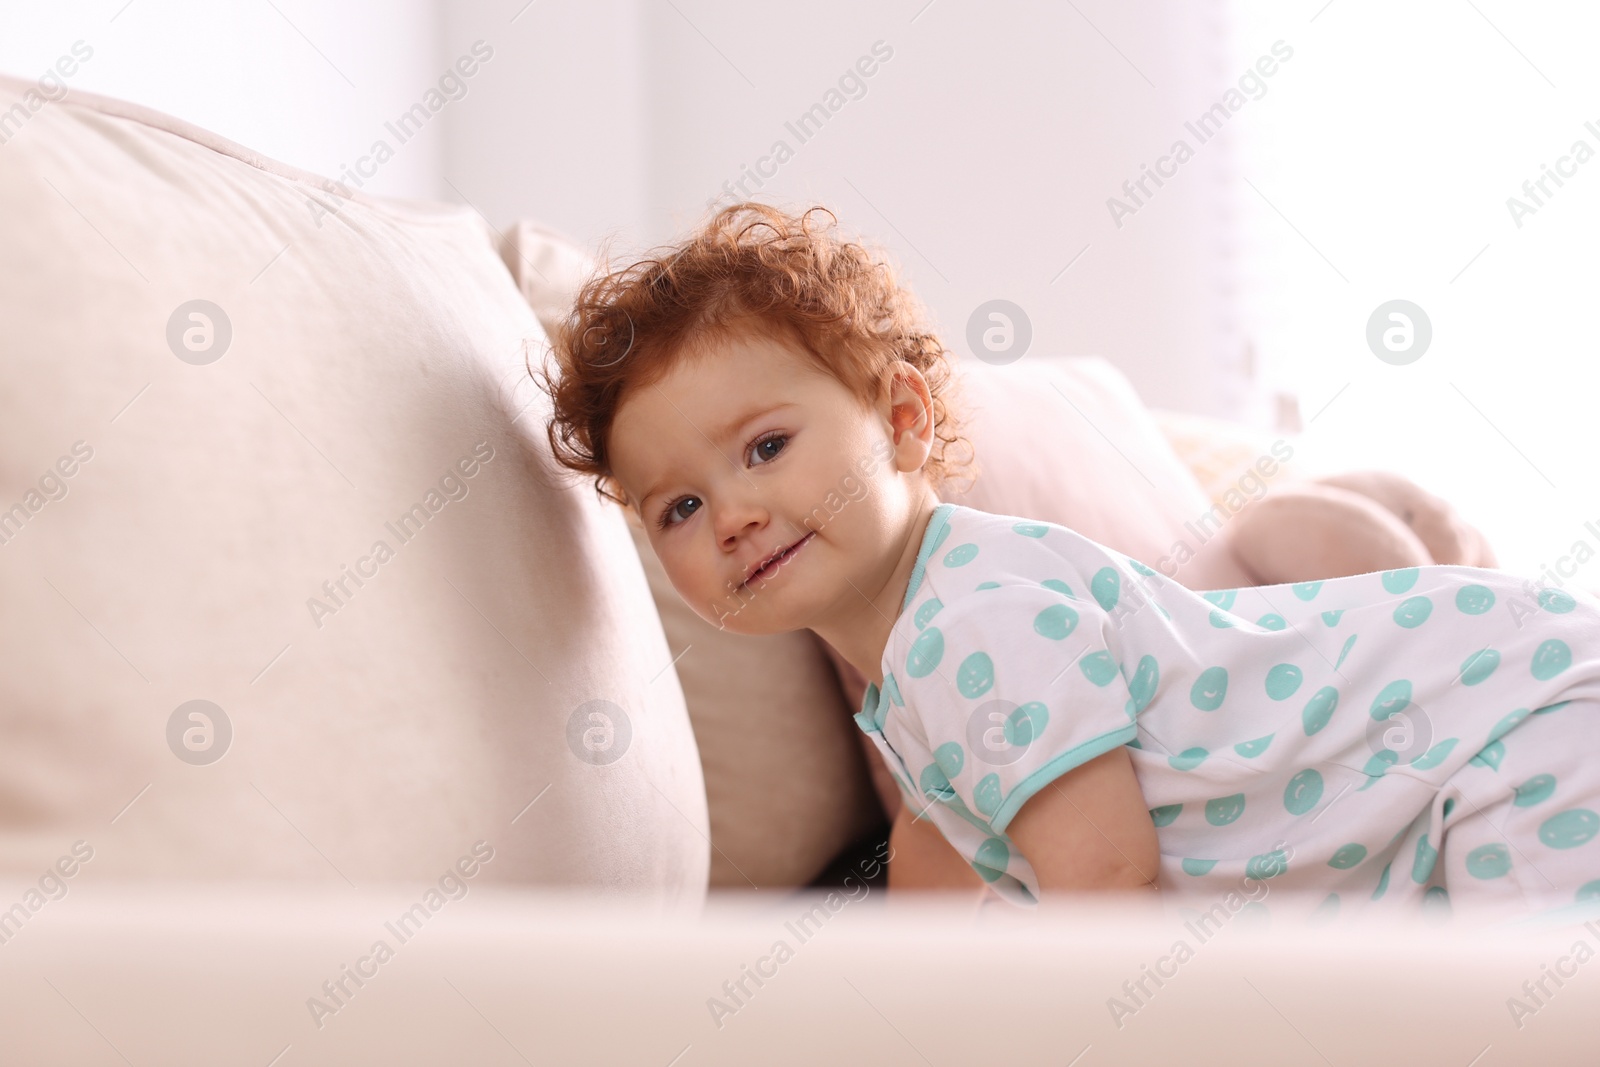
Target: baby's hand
{"x": 1089, "y": 830}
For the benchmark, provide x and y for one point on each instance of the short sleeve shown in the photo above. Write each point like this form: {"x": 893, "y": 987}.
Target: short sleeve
{"x": 1006, "y": 689}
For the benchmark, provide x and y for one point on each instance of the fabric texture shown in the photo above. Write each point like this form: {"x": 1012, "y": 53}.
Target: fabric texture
{"x": 322, "y": 502}
{"x": 1308, "y": 733}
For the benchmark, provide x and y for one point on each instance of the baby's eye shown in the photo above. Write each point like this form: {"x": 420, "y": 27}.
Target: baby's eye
{"x": 671, "y": 509}
{"x": 759, "y": 448}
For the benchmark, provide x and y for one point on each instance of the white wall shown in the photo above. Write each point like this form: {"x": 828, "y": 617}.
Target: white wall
{"x": 304, "y": 82}
{"x": 981, "y": 154}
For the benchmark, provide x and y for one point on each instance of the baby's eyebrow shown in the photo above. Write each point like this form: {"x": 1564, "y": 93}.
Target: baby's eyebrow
{"x": 728, "y": 430}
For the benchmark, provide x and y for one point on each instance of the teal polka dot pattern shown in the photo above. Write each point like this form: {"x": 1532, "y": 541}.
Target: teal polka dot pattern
{"x": 1587, "y": 892}
{"x": 1106, "y": 587}
{"x": 1209, "y": 689}
{"x": 1556, "y": 602}
{"x": 1166, "y": 814}
{"x": 961, "y": 555}
{"x": 1401, "y": 580}
{"x": 950, "y": 758}
{"x": 1435, "y": 755}
{"x": 1325, "y": 912}
{"x": 1413, "y": 612}
{"x": 1144, "y": 683}
{"x": 1478, "y": 666}
{"x": 1224, "y": 810}
{"x": 991, "y": 859}
{"x": 1349, "y": 643}
{"x": 1283, "y": 680}
{"x": 1319, "y": 709}
{"x": 1377, "y": 766}
{"x": 934, "y": 784}
{"x": 925, "y": 653}
{"x": 1490, "y": 755}
{"x": 1347, "y": 856}
{"x": 1569, "y": 829}
{"x": 975, "y": 676}
{"x": 1505, "y": 725}
{"x": 1252, "y": 749}
{"x": 1383, "y": 882}
{"x": 1099, "y": 667}
{"x": 1436, "y": 902}
{"x": 1055, "y": 622}
{"x": 1267, "y": 865}
{"x": 986, "y": 795}
{"x": 1535, "y": 790}
{"x": 1550, "y": 659}
{"x": 1303, "y": 792}
{"x": 1012, "y": 615}
{"x": 1391, "y": 698}
{"x": 1026, "y": 722}
{"x": 1489, "y": 861}
{"x": 1423, "y": 862}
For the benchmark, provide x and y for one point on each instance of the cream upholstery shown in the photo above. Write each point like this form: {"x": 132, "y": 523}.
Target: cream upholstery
{"x": 380, "y": 723}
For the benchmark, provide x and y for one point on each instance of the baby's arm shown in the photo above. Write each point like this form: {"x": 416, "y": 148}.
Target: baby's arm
{"x": 921, "y": 858}
{"x": 1090, "y": 830}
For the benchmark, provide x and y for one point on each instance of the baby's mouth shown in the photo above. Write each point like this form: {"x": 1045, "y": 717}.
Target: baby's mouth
{"x": 772, "y": 566}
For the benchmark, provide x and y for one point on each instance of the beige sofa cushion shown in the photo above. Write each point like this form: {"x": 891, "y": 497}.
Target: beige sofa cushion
{"x": 183, "y": 504}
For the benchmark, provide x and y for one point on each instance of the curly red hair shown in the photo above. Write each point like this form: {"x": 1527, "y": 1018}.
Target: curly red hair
{"x": 750, "y": 267}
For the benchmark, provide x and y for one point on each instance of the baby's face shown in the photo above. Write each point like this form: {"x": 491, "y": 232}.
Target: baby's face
{"x": 749, "y": 449}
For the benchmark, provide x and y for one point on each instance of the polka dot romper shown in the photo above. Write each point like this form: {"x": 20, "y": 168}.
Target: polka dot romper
{"x": 1426, "y": 738}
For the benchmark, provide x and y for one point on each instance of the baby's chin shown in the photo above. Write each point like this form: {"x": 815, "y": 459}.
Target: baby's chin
{"x": 743, "y": 613}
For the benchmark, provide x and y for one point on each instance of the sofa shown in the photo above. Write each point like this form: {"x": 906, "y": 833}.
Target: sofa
{"x": 341, "y": 725}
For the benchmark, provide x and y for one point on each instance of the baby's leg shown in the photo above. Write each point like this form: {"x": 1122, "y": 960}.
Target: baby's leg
{"x": 1522, "y": 837}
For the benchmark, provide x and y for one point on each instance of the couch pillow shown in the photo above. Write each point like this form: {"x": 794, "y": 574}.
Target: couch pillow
{"x": 287, "y": 592}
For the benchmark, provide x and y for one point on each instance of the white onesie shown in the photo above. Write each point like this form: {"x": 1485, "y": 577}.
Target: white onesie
{"x": 1419, "y": 737}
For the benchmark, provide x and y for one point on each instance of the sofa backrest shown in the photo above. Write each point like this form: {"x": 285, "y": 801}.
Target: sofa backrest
{"x": 290, "y": 586}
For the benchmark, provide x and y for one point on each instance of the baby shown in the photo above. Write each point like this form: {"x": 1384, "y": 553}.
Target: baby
{"x": 1060, "y": 717}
